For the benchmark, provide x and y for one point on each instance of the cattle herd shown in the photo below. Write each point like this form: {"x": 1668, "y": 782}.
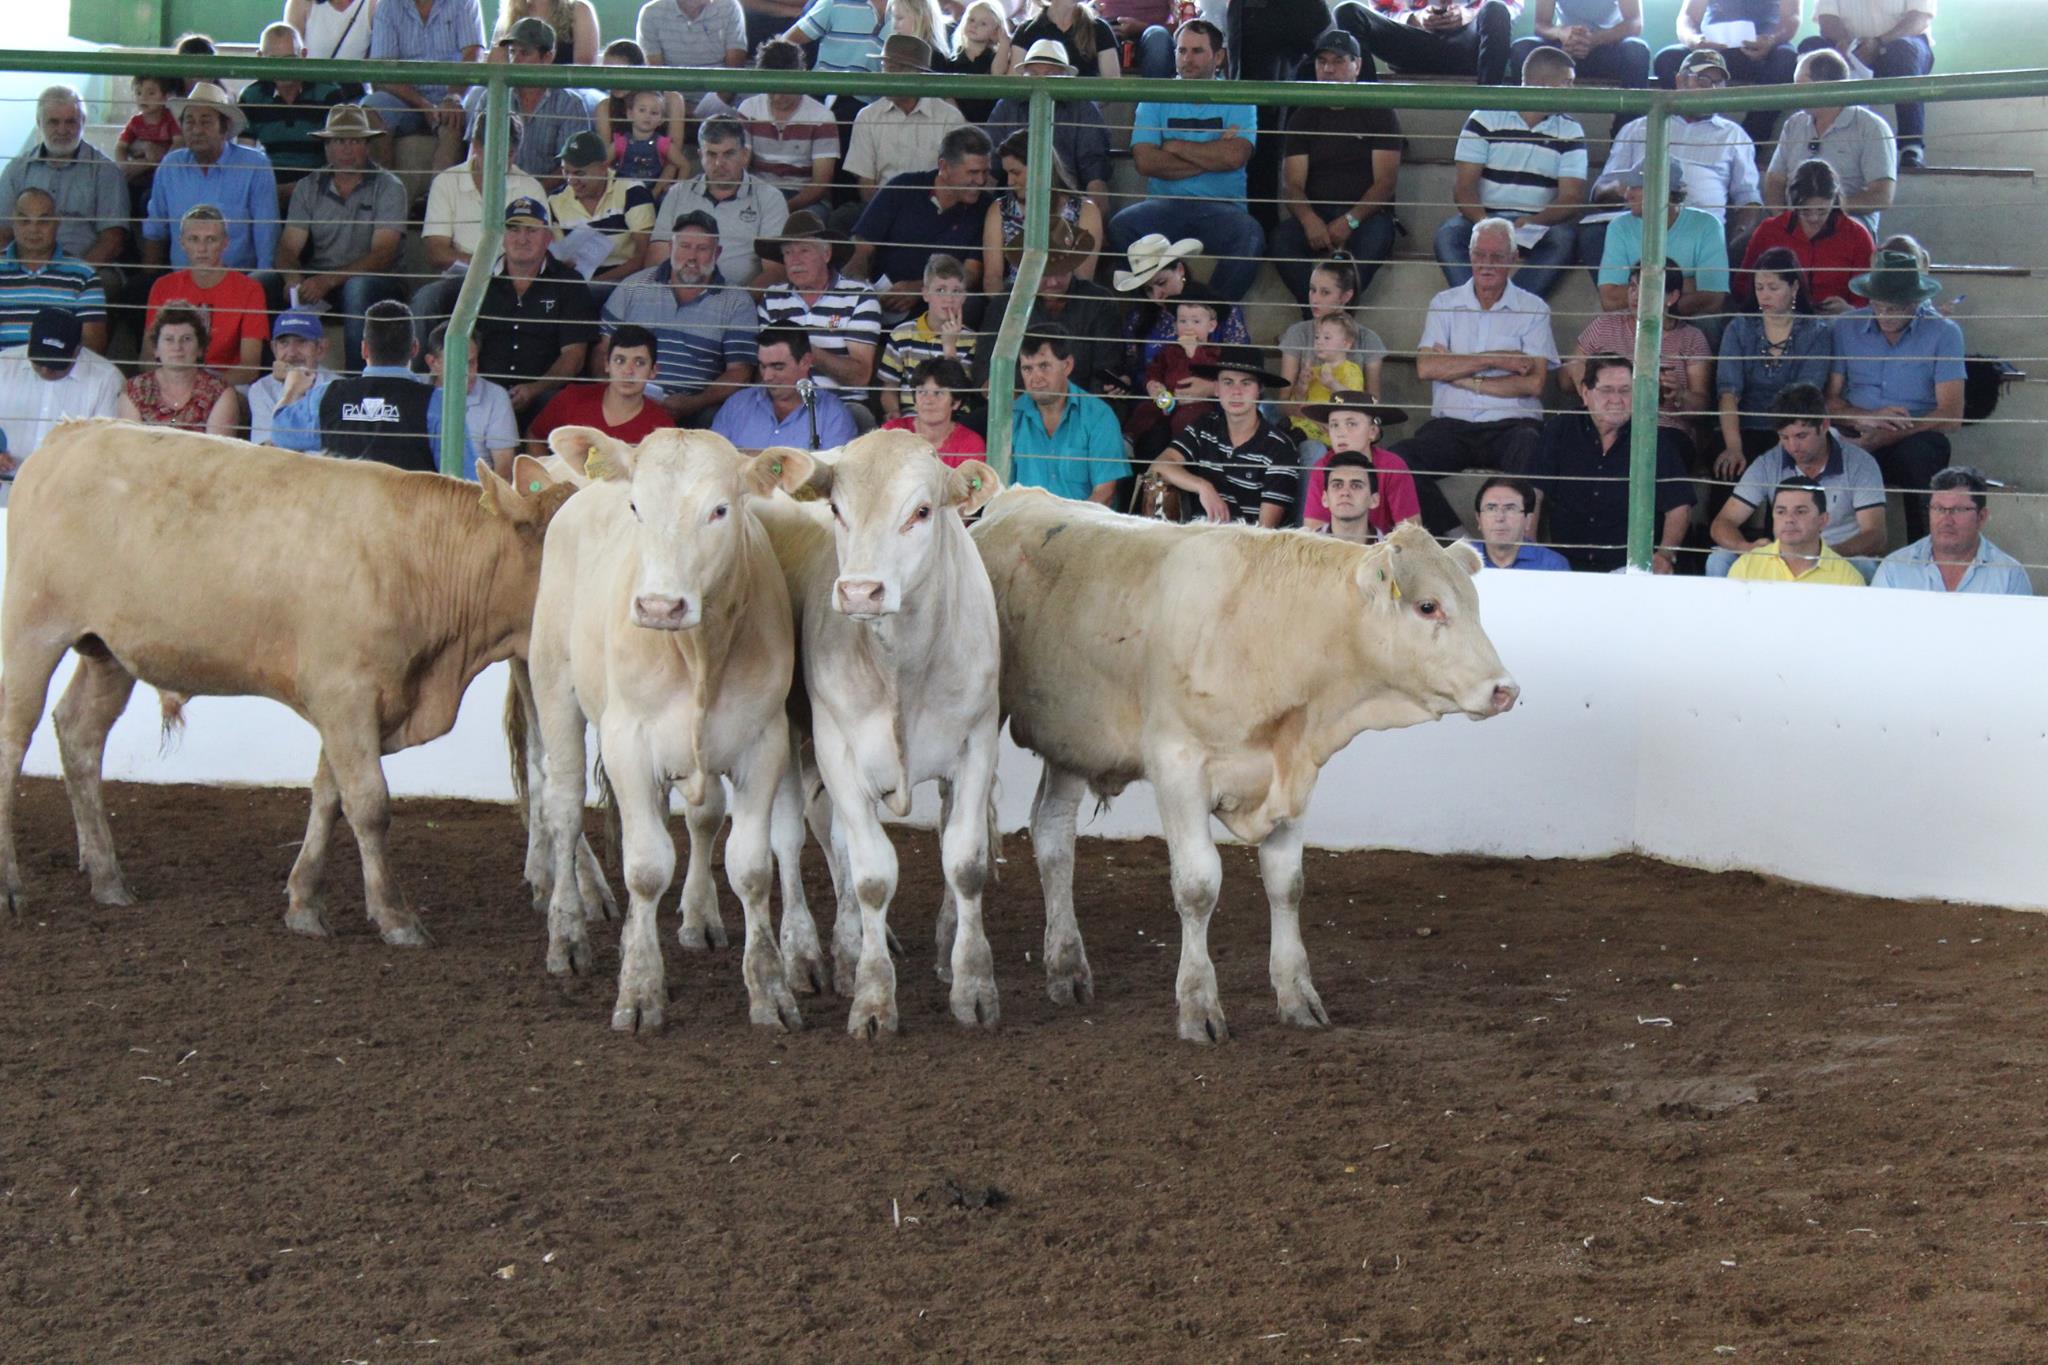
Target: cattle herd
{"x": 823, "y": 632}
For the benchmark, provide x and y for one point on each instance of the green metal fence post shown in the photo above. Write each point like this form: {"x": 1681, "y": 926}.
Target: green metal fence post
{"x": 1649, "y": 372}
{"x": 1002, "y": 364}
{"x": 455, "y": 359}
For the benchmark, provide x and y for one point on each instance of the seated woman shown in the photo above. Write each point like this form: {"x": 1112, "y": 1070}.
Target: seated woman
{"x": 1831, "y": 247}
{"x": 1160, "y": 269}
{"x": 1766, "y": 352}
{"x": 1004, "y": 226}
{"x": 177, "y": 392}
{"x": 936, "y": 389}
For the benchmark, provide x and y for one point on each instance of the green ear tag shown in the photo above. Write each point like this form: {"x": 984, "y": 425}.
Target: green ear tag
{"x": 1383, "y": 575}
{"x": 974, "y": 484}
{"x": 535, "y": 486}
{"x": 775, "y": 468}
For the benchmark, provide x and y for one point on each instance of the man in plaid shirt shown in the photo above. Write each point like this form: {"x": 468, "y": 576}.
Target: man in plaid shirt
{"x": 1434, "y": 37}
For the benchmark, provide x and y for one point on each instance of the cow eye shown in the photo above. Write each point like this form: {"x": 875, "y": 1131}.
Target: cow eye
{"x": 923, "y": 513}
{"x": 835, "y": 513}
{"x": 1429, "y": 611}
{"x": 718, "y": 512}
{"x": 634, "y": 508}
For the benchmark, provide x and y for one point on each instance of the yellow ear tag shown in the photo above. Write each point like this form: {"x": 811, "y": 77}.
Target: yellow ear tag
{"x": 1396, "y": 591}
{"x": 596, "y": 465}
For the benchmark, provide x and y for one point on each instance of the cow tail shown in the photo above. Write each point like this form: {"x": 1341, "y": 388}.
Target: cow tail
{"x": 608, "y": 802}
{"x": 173, "y": 724}
{"x": 516, "y": 736}
{"x": 995, "y": 837}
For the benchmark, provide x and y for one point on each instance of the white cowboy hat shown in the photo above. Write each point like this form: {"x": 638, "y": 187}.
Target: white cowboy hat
{"x": 207, "y": 95}
{"x": 1151, "y": 254}
{"x": 1048, "y": 52}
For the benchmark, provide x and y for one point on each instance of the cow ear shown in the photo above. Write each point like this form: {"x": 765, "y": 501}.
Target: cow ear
{"x": 553, "y": 468}
{"x": 501, "y": 499}
{"x": 1464, "y": 556}
{"x": 970, "y": 485}
{"x": 591, "y": 453}
{"x": 1379, "y": 575}
{"x": 781, "y": 467}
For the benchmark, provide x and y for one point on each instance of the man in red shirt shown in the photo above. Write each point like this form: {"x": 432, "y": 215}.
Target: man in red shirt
{"x": 619, "y": 407}
{"x": 237, "y": 321}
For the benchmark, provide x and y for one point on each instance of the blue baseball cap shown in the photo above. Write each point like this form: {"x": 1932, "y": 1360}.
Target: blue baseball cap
{"x": 526, "y": 211}
{"x": 293, "y": 322}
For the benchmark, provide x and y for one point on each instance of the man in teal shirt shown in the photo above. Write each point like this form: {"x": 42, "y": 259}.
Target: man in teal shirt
{"x": 1062, "y": 438}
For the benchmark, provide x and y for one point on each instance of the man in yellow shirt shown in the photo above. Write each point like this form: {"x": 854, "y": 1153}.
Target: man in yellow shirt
{"x": 1799, "y": 512}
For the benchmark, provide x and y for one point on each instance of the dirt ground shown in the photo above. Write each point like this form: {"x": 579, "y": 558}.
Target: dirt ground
{"x": 1612, "y": 1111}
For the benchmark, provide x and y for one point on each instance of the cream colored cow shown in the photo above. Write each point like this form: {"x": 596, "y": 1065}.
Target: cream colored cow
{"x": 1224, "y": 665}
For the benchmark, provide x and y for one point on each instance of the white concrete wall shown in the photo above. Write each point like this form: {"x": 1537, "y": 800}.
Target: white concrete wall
{"x": 1890, "y": 743}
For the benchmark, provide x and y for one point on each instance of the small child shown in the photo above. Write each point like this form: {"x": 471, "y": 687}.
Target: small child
{"x": 643, "y": 151}
{"x": 1330, "y": 371}
{"x": 1154, "y": 425}
{"x": 153, "y": 132}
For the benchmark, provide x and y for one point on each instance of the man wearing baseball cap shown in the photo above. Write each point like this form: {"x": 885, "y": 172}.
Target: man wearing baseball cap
{"x": 593, "y": 197}
{"x": 455, "y": 218}
{"x": 552, "y": 114}
{"x": 1338, "y": 169}
{"x": 284, "y": 405}
{"x": 1764, "y": 59}
{"x": 1718, "y": 156}
{"x": 50, "y": 379}
{"x": 1694, "y": 242}
{"x": 538, "y": 319}
{"x": 1237, "y": 463}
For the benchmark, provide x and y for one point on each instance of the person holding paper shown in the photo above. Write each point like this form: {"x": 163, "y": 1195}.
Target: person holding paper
{"x": 1754, "y": 38}
{"x": 601, "y": 222}
{"x": 1884, "y": 38}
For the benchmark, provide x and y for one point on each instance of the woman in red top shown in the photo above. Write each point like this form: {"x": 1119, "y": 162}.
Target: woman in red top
{"x": 1359, "y": 420}
{"x": 1831, "y": 246}
{"x": 936, "y": 386}
{"x": 178, "y": 393}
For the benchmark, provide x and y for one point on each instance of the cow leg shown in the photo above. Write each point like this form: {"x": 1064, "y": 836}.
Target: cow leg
{"x": 1280, "y": 869}
{"x": 702, "y": 925}
{"x": 1054, "y": 814}
{"x": 964, "y": 849}
{"x": 305, "y": 902}
{"x": 749, "y": 869}
{"x": 596, "y": 892}
{"x": 845, "y": 912}
{"x": 871, "y": 868}
{"x": 366, "y": 801}
{"x": 97, "y": 695}
{"x": 949, "y": 913}
{"x": 650, "y": 854}
{"x": 30, "y": 662}
{"x": 1197, "y": 878}
{"x": 803, "y": 958}
{"x": 562, "y": 813}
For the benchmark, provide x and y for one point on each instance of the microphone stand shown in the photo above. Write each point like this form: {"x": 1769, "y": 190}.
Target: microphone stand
{"x": 808, "y": 391}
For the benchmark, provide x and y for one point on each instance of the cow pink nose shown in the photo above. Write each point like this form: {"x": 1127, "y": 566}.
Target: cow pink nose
{"x": 1504, "y": 697}
{"x": 661, "y": 613}
{"x": 860, "y": 595}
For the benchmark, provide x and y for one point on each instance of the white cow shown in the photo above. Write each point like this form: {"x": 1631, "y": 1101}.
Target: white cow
{"x": 1224, "y": 665}
{"x": 663, "y": 619}
{"x": 900, "y": 660}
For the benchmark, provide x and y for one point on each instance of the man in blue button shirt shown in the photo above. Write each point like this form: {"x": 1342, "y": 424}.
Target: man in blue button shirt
{"x": 1502, "y": 509}
{"x": 1898, "y": 379}
{"x": 1955, "y": 556}
{"x": 1062, "y": 438}
{"x": 212, "y": 168}
{"x": 1193, "y": 158}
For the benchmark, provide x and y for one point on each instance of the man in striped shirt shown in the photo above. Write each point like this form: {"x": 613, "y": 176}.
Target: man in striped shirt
{"x": 703, "y": 328}
{"x": 848, "y": 33}
{"x": 840, "y": 315}
{"x": 35, "y": 273}
{"x": 796, "y": 144}
{"x": 1527, "y": 168}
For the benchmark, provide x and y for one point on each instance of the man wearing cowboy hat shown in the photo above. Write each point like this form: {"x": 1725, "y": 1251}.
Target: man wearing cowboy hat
{"x": 1354, "y": 422}
{"x": 1084, "y": 308}
{"x": 212, "y": 168}
{"x": 1236, "y": 462}
{"x": 282, "y": 117}
{"x": 922, "y": 213}
{"x": 1080, "y": 136}
{"x": 899, "y": 134}
{"x": 344, "y": 228}
{"x": 842, "y": 317}
{"x": 1898, "y": 380}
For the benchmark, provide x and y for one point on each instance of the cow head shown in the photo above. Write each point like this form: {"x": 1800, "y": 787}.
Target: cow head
{"x": 687, "y": 491}
{"x": 892, "y": 499}
{"x": 529, "y": 501}
{"x": 1423, "y": 618}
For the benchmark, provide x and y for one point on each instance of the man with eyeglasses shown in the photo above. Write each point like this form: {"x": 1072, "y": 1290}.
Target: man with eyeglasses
{"x": 51, "y": 379}
{"x": 1850, "y": 138}
{"x": 1582, "y": 470}
{"x": 1505, "y": 509}
{"x": 1955, "y": 556}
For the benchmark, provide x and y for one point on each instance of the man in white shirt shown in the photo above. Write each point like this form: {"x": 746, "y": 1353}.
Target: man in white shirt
{"x": 1719, "y": 158}
{"x": 897, "y": 135}
{"x": 49, "y": 380}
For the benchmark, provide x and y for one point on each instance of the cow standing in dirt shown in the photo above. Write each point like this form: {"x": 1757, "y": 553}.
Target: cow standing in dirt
{"x": 364, "y": 598}
{"x": 1225, "y": 665}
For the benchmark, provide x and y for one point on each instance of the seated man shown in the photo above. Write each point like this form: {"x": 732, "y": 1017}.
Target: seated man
{"x": 1504, "y": 509}
{"x": 1898, "y": 380}
{"x": 1528, "y": 168}
{"x": 1693, "y": 240}
{"x": 552, "y": 114}
{"x": 89, "y": 189}
{"x": 381, "y": 414}
{"x": 1765, "y": 57}
{"x": 745, "y": 207}
{"x": 447, "y": 31}
{"x": 1582, "y": 469}
{"x": 1349, "y": 497}
{"x": 1061, "y": 438}
{"x": 899, "y": 134}
{"x": 1955, "y": 556}
{"x": 454, "y": 219}
{"x": 938, "y": 333}
{"x": 777, "y": 413}
{"x": 344, "y": 229}
{"x": 706, "y": 33}
{"x": 1435, "y": 37}
{"x": 703, "y": 328}
{"x": 1808, "y": 451}
{"x": 1887, "y": 38}
{"x": 1487, "y": 353}
{"x": 1354, "y": 422}
{"x": 282, "y": 117}
{"x": 1239, "y": 466}
{"x": 37, "y": 273}
{"x": 1338, "y": 174}
{"x": 1080, "y": 136}
{"x": 1091, "y": 316}
{"x": 618, "y": 405}
{"x": 1602, "y": 38}
{"x": 490, "y": 433}
{"x": 1797, "y": 553}
{"x": 231, "y": 301}
{"x": 796, "y": 146}
{"x": 1193, "y": 158}
{"x": 51, "y": 378}
{"x": 1685, "y": 378}
{"x": 841, "y": 315}
{"x": 920, "y": 214}
{"x": 538, "y": 318}
{"x": 212, "y": 168}
{"x": 1851, "y": 138}
{"x": 595, "y": 199}
{"x": 1718, "y": 157}
{"x": 284, "y": 405}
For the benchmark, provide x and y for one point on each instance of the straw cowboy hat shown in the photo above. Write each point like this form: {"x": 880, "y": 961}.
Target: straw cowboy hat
{"x": 805, "y": 226}
{"x": 349, "y": 120}
{"x": 1048, "y": 52}
{"x": 1151, "y": 254}
{"x": 1895, "y": 277}
{"x": 1066, "y": 247}
{"x": 1386, "y": 414}
{"x": 207, "y": 95}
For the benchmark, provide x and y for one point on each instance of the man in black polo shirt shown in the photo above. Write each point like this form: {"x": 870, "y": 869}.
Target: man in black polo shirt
{"x": 381, "y": 414}
{"x": 1236, "y": 462}
{"x": 1581, "y": 466}
{"x": 920, "y": 213}
{"x": 538, "y": 321}
{"x": 1338, "y": 169}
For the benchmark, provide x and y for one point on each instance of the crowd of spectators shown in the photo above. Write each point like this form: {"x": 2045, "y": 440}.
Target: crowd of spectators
{"x": 797, "y": 269}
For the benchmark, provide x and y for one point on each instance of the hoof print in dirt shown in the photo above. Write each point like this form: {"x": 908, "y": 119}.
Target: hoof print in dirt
{"x": 953, "y": 1194}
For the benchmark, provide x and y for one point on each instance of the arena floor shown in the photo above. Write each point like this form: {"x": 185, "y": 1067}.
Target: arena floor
{"x": 1612, "y": 1111}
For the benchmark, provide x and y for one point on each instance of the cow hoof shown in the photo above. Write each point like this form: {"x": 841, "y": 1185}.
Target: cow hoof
{"x": 870, "y": 1020}
{"x": 114, "y": 893}
{"x": 640, "y": 1019}
{"x": 776, "y": 1009}
{"x": 568, "y": 957}
{"x": 309, "y": 920}
{"x": 697, "y": 936}
{"x": 806, "y": 972}
{"x": 845, "y": 974}
{"x": 410, "y": 934}
{"x": 1304, "y": 1012}
{"x": 975, "y": 1004}
{"x": 1200, "y": 1025}
{"x": 1072, "y": 989}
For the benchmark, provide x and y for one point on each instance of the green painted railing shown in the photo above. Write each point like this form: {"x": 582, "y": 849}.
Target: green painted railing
{"x": 500, "y": 78}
